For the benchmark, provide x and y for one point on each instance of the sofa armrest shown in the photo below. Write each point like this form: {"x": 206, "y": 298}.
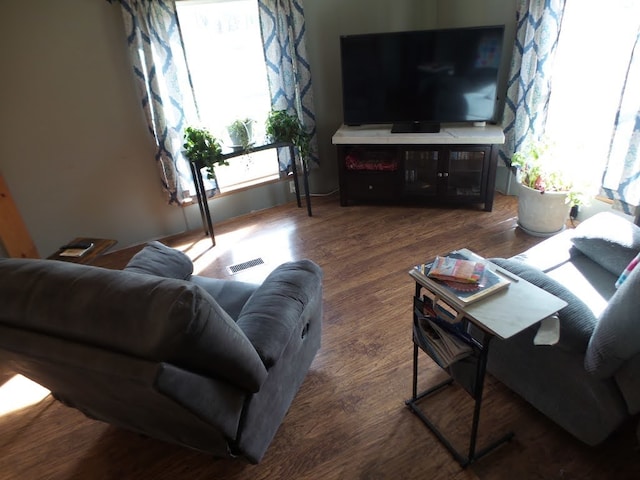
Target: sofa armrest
{"x": 277, "y": 309}
{"x": 627, "y": 379}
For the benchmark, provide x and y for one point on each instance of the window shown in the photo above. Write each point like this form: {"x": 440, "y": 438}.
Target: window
{"x": 226, "y": 61}
{"x": 594, "y": 50}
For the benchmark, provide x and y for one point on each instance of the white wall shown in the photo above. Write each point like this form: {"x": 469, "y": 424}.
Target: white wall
{"x": 74, "y": 148}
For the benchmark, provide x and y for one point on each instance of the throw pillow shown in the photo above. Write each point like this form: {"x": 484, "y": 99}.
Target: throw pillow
{"x": 577, "y": 321}
{"x": 158, "y": 259}
{"x": 616, "y": 337}
{"x": 627, "y": 271}
{"x": 609, "y": 240}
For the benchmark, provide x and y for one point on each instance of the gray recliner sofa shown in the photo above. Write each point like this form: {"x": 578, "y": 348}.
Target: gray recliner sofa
{"x": 205, "y": 363}
{"x": 589, "y": 381}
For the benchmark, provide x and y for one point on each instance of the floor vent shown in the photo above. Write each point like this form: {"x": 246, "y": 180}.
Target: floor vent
{"x": 238, "y": 267}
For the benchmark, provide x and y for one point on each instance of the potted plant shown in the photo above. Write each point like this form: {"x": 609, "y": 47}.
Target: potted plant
{"x": 285, "y": 127}
{"x": 546, "y": 190}
{"x": 203, "y": 149}
{"x": 241, "y": 133}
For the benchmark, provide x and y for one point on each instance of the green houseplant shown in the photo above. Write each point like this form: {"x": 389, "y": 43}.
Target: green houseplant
{"x": 285, "y": 127}
{"x": 241, "y": 133}
{"x": 203, "y": 149}
{"x": 547, "y": 190}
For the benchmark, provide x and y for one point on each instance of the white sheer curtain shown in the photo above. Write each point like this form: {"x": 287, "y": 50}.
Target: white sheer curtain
{"x": 621, "y": 180}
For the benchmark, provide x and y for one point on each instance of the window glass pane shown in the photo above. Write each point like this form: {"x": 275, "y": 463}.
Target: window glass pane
{"x": 593, "y": 53}
{"x": 226, "y": 61}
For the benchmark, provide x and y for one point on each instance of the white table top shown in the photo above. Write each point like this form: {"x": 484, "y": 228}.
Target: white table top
{"x": 509, "y": 311}
{"x": 448, "y": 134}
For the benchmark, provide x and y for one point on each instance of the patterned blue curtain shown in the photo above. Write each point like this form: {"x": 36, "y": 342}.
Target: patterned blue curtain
{"x": 283, "y": 34}
{"x": 538, "y": 25}
{"x": 621, "y": 179}
{"x": 160, "y": 69}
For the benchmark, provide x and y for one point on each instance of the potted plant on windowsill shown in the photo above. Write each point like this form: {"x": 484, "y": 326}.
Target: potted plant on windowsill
{"x": 241, "y": 133}
{"x": 285, "y": 127}
{"x": 546, "y": 189}
{"x": 203, "y": 149}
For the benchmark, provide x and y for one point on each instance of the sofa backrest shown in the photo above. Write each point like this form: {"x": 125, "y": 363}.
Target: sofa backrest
{"x": 154, "y": 318}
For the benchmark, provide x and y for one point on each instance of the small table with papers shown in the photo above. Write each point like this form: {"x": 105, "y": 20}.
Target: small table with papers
{"x": 502, "y": 314}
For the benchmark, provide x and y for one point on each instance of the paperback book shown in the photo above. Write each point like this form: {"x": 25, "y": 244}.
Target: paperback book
{"x": 454, "y": 269}
{"x": 75, "y": 250}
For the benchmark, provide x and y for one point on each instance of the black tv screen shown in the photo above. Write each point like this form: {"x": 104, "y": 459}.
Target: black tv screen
{"x": 420, "y": 79}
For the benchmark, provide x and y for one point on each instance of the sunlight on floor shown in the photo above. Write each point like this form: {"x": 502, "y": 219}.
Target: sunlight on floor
{"x": 20, "y": 392}
{"x": 242, "y": 244}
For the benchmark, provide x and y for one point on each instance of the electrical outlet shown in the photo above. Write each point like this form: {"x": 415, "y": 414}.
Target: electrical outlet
{"x": 292, "y": 187}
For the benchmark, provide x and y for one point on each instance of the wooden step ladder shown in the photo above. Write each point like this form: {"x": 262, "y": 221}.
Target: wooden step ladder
{"x": 14, "y": 235}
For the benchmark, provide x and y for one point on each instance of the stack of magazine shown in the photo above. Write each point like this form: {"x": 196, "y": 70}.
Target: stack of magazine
{"x": 459, "y": 277}
{"x": 445, "y": 342}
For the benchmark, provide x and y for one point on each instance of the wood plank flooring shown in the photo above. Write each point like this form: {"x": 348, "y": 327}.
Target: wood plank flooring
{"x": 349, "y": 420}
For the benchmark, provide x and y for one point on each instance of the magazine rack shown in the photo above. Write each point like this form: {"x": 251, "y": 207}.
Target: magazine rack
{"x": 468, "y": 372}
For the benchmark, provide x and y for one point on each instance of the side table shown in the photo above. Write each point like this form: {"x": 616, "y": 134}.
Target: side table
{"x": 502, "y": 315}
{"x": 201, "y": 195}
{"x": 100, "y": 245}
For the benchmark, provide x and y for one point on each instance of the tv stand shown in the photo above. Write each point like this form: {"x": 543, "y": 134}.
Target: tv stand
{"x": 415, "y": 127}
{"x": 456, "y": 165}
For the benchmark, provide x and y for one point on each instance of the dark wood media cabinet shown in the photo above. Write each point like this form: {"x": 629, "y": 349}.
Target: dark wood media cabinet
{"x": 456, "y": 165}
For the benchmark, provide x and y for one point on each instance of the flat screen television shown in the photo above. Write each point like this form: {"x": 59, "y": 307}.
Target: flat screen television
{"x": 417, "y": 80}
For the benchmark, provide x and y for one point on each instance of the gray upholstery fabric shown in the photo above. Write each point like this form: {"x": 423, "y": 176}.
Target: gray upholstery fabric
{"x": 230, "y": 295}
{"x": 577, "y": 322}
{"x": 126, "y": 391}
{"x": 159, "y": 356}
{"x": 275, "y": 312}
{"x": 146, "y": 316}
{"x": 555, "y": 382}
{"x": 627, "y": 379}
{"x": 554, "y": 379}
{"x": 609, "y": 240}
{"x": 616, "y": 338}
{"x": 158, "y": 259}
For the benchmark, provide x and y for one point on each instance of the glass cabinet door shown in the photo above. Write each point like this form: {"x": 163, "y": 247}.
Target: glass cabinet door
{"x": 421, "y": 172}
{"x": 465, "y": 172}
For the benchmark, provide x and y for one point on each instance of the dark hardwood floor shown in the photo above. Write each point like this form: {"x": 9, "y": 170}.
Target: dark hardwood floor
{"x": 349, "y": 420}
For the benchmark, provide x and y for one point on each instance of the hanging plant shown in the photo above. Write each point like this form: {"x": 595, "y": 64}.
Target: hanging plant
{"x": 203, "y": 149}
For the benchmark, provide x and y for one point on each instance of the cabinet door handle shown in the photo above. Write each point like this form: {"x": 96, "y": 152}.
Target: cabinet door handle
{"x": 370, "y": 187}
{"x": 445, "y": 174}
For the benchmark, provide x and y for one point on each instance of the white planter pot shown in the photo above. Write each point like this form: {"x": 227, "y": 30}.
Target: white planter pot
{"x": 542, "y": 214}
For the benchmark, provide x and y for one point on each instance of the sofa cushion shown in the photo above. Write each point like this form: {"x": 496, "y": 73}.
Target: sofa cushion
{"x": 616, "y": 337}
{"x": 159, "y": 319}
{"x": 609, "y": 240}
{"x": 576, "y": 319}
{"x": 158, "y": 259}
